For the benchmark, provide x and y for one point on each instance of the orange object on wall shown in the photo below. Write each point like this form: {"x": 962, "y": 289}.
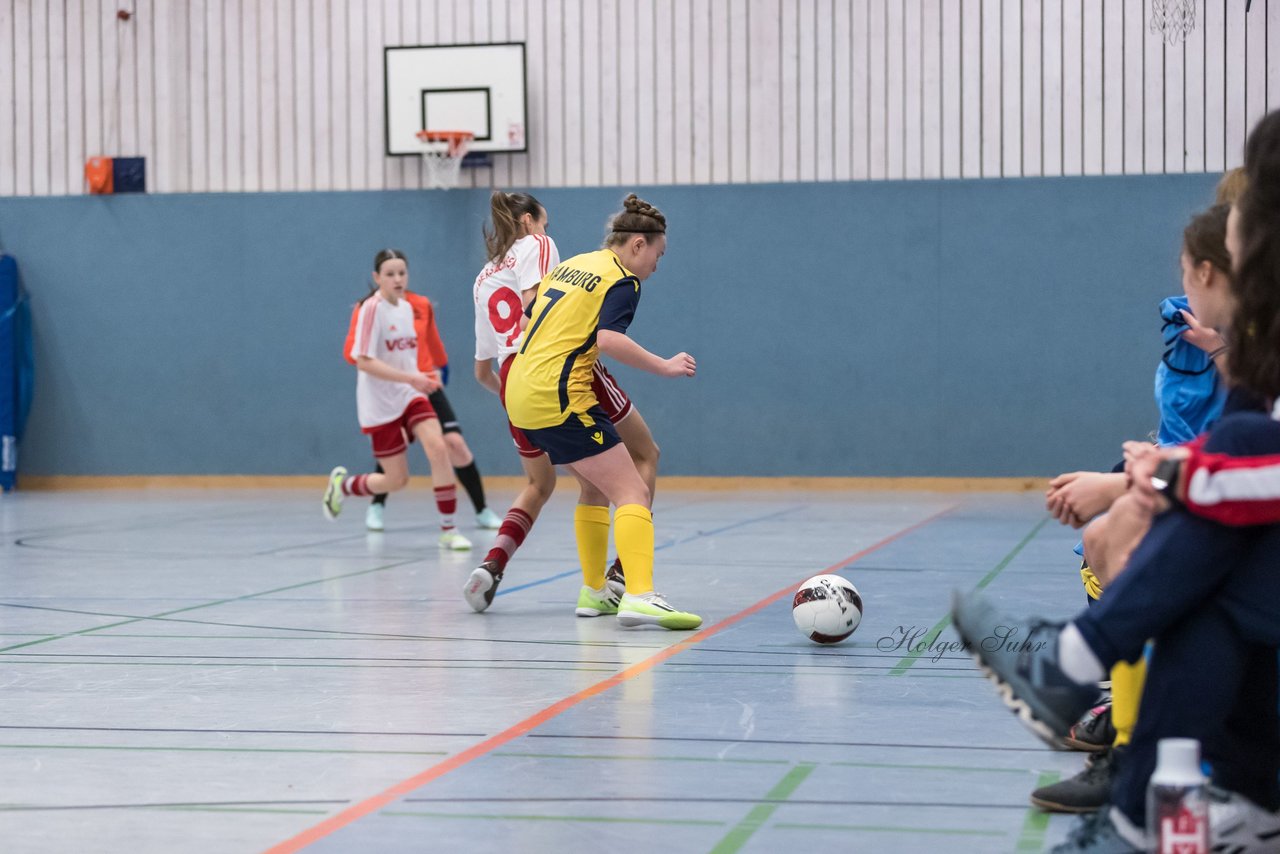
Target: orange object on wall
{"x": 98, "y": 173}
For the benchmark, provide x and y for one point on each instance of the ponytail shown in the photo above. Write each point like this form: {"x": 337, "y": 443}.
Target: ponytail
{"x": 505, "y": 210}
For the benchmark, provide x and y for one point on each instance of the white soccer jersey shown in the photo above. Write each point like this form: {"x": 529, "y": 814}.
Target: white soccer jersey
{"x": 498, "y": 291}
{"x": 385, "y": 332}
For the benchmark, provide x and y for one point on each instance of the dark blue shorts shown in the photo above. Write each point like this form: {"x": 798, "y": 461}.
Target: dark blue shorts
{"x": 579, "y": 436}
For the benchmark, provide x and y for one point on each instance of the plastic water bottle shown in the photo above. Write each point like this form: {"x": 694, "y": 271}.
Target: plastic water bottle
{"x": 1177, "y": 801}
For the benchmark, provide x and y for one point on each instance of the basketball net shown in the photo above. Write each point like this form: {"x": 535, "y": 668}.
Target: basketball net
{"x": 1172, "y": 20}
{"x": 442, "y": 154}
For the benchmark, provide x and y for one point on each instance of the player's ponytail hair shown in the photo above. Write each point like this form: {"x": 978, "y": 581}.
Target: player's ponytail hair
{"x": 1230, "y": 187}
{"x": 637, "y": 219}
{"x": 505, "y": 210}
{"x": 1255, "y": 324}
{"x": 383, "y": 256}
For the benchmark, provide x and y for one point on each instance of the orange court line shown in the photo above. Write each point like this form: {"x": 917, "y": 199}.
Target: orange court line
{"x": 404, "y": 787}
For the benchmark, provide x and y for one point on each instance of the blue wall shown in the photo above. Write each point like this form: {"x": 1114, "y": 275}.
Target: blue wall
{"x": 922, "y": 328}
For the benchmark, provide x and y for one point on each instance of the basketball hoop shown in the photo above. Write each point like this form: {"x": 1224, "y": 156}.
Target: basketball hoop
{"x": 442, "y": 154}
{"x": 1172, "y": 20}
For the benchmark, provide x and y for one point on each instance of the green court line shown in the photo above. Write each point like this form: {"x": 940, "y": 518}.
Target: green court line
{"x": 1037, "y": 821}
{"x": 922, "y": 646}
{"x": 227, "y": 601}
{"x": 745, "y": 829}
{"x": 607, "y": 758}
{"x": 162, "y": 748}
{"x": 878, "y": 828}
{"x": 596, "y": 819}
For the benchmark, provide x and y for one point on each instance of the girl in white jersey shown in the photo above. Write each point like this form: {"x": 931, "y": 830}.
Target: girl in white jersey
{"x": 520, "y": 254}
{"x": 391, "y": 401}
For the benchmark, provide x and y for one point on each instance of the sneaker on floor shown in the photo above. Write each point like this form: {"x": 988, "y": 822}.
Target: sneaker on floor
{"x": 650, "y": 609}
{"x": 1239, "y": 826}
{"x": 454, "y": 541}
{"x": 333, "y": 493}
{"x": 488, "y": 520}
{"x": 1098, "y": 834}
{"x": 596, "y": 603}
{"x": 373, "y": 517}
{"x": 1026, "y": 672}
{"x": 481, "y": 586}
{"x": 614, "y": 579}
{"x": 1094, "y": 733}
{"x": 1087, "y": 791}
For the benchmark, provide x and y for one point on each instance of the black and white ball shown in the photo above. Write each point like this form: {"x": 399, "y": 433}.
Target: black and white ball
{"x": 827, "y": 608}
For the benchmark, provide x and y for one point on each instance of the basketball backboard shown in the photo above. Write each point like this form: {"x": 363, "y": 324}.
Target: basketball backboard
{"x": 470, "y": 87}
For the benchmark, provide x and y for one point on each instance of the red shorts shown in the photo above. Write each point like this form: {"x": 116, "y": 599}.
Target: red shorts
{"x": 523, "y": 445}
{"x": 612, "y": 399}
{"x": 394, "y": 437}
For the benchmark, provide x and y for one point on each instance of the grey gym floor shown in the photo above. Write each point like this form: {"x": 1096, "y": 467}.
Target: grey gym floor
{"x": 228, "y": 672}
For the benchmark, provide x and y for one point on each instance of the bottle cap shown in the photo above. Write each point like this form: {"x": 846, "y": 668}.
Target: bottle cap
{"x": 1178, "y": 762}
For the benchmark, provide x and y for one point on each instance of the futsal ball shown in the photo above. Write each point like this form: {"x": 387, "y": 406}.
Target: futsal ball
{"x": 827, "y": 608}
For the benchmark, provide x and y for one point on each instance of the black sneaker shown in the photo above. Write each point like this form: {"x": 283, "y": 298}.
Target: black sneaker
{"x": 1085, "y": 792}
{"x": 614, "y": 579}
{"x": 1094, "y": 733}
{"x": 1021, "y": 658}
{"x": 481, "y": 586}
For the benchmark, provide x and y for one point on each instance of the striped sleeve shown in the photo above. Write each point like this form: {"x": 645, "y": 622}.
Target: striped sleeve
{"x": 366, "y": 338}
{"x": 536, "y": 255}
{"x": 351, "y": 335}
{"x": 1232, "y": 490}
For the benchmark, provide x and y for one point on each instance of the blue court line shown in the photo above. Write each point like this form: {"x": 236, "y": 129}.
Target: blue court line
{"x": 696, "y": 536}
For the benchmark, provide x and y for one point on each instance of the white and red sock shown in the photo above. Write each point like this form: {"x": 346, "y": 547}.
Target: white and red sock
{"x": 515, "y": 527}
{"x": 356, "y": 485}
{"x": 447, "y": 504}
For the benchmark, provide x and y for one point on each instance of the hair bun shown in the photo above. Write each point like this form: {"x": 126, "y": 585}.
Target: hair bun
{"x": 636, "y": 205}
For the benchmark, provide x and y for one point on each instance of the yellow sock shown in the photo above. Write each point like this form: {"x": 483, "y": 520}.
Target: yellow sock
{"x": 1126, "y": 679}
{"x": 633, "y": 534}
{"x": 1126, "y": 693}
{"x": 1091, "y": 585}
{"x": 591, "y": 528}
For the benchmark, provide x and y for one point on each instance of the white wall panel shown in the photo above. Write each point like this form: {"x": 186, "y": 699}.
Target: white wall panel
{"x": 1237, "y": 76}
{"x": 1112, "y": 74}
{"x": 823, "y": 120}
{"x": 1093, "y": 60}
{"x": 246, "y": 95}
{"x": 1073, "y": 136}
{"x": 772, "y": 45}
{"x": 971, "y": 43}
{"x": 1193, "y": 97}
{"x": 860, "y": 94}
{"x": 991, "y": 70}
{"x": 912, "y": 81}
{"x": 1032, "y": 92}
{"x": 1011, "y": 88}
{"x": 952, "y": 89}
{"x": 931, "y": 85}
{"x": 895, "y": 62}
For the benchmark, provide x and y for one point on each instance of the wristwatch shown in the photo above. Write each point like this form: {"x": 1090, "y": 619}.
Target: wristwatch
{"x": 1165, "y": 478}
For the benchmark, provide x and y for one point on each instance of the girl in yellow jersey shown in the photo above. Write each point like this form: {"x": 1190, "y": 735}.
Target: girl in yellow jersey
{"x": 583, "y": 308}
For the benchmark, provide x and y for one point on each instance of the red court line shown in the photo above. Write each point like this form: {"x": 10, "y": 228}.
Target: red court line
{"x": 404, "y": 787}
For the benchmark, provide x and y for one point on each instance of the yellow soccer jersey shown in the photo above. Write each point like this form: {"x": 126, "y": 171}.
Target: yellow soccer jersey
{"x": 551, "y": 374}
